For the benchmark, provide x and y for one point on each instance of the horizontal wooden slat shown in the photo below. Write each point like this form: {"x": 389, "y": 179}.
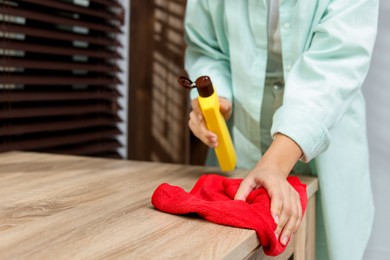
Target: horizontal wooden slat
{"x": 56, "y": 65}
{"x": 59, "y": 80}
{"x": 102, "y": 13}
{"x": 68, "y": 109}
{"x": 90, "y": 149}
{"x": 107, "y": 3}
{"x": 8, "y": 44}
{"x": 56, "y": 18}
{"x": 36, "y": 125}
{"x": 59, "y": 34}
{"x": 27, "y": 142}
{"x": 47, "y": 95}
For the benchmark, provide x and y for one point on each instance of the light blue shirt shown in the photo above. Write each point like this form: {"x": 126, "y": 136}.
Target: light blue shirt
{"x": 326, "y": 50}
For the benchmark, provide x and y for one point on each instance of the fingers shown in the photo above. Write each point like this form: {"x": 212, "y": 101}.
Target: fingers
{"x": 225, "y": 106}
{"x": 199, "y": 128}
{"x": 287, "y": 213}
{"x": 197, "y": 123}
{"x": 285, "y": 205}
{"x": 196, "y": 107}
{"x": 246, "y": 186}
{"x": 276, "y": 207}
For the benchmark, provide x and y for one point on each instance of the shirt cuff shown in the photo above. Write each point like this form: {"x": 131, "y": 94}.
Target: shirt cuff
{"x": 303, "y": 128}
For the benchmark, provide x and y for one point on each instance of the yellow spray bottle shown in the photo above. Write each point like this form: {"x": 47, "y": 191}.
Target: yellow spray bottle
{"x": 209, "y": 104}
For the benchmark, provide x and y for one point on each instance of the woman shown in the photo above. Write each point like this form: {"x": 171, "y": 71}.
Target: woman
{"x": 289, "y": 75}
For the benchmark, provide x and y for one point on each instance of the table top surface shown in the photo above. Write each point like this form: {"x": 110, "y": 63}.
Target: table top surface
{"x": 66, "y": 207}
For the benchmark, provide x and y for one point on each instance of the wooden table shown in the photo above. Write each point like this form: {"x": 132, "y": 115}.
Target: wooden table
{"x": 68, "y": 207}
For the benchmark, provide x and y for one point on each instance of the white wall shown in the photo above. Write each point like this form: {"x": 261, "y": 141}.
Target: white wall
{"x": 377, "y": 92}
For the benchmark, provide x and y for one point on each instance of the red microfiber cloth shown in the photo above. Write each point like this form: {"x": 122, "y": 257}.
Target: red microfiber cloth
{"x": 212, "y": 198}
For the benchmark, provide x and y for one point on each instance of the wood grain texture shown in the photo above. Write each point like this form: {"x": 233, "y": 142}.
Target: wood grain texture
{"x": 305, "y": 237}
{"x": 69, "y": 207}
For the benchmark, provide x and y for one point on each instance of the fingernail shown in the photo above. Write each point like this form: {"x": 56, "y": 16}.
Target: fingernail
{"x": 284, "y": 240}
{"x": 277, "y": 236}
{"x": 213, "y": 145}
{"x": 200, "y": 117}
{"x": 276, "y": 219}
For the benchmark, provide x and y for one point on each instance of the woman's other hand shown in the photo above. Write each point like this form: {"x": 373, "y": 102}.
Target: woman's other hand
{"x": 271, "y": 173}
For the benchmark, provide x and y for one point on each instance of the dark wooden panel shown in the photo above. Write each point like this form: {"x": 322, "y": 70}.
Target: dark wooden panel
{"x": 141, "y": 29}
{"x": 159, "y": 131}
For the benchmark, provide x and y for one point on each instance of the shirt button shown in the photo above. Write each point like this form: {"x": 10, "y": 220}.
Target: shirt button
{"x": 278, "y": 86}
{"x": 288, "y": 67}
{"x": 287, "y": 26}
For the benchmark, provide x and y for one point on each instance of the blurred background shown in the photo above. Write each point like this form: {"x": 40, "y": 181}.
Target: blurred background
{"x": 377, "y": 92}
{"x": 98, "y": 78}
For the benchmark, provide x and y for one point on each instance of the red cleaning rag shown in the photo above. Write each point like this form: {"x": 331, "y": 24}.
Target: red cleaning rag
{"x": 212, "y": 198}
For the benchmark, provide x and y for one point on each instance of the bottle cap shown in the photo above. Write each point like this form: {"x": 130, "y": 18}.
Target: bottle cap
{"x": 203, "y": 84}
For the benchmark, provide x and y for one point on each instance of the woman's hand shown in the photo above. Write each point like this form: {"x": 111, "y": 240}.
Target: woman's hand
{"x": 197, "y": 123}
{"x": 271, "y": 173}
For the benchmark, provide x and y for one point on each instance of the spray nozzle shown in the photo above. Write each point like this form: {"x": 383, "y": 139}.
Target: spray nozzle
{"x": 186, "y": 82}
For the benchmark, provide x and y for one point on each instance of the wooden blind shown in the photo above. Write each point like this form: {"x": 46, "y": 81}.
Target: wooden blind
{"x": 58, "y": 76}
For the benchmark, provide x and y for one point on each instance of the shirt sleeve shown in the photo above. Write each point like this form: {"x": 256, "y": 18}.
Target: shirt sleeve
{"x": 207, "y": 46}
{"x": 324, "y": 79}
